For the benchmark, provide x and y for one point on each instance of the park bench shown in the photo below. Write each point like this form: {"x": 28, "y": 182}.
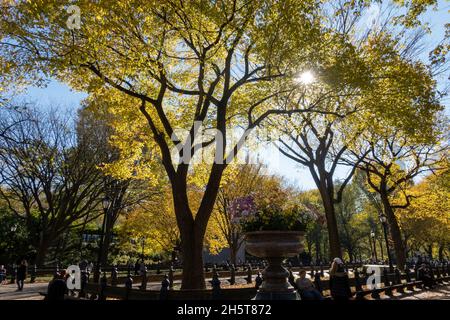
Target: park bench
{"x": 375, "y": 293}
{"x": 224, "y": 294}
{"x": 66, "y": 296}
{"x": 399, "y": 287}
{"x": 123, "y": 293}
{"x": 112, "y": 287}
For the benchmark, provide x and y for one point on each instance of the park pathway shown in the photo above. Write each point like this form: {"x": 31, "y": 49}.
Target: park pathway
{"x": 31, "y": 292}
{"x": 439, "y": 293}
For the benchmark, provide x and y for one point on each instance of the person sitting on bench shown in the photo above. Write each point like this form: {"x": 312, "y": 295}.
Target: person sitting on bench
{"x": 306, "y": 288}
{"x": 57, "y": 288}
{"x": 425, "y": 275}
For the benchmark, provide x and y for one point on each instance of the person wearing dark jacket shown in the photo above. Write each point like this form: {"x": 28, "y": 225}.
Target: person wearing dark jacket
{"x": 21, "y": 275}
{"x": 137, "y": 267}
{"x": 57, "y": 288}
{"x": 425, "y": 275}
{"x": 2, "y": 274}
{"x": 339, "y": 281}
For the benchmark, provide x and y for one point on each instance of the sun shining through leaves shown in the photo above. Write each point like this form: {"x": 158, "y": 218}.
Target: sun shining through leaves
{"x": 306, "y": 78}
{"x": 322, "y": 80}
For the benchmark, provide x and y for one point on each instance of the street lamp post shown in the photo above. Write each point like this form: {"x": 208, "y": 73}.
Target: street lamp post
{"x": 143, "y": 247}
{"x": 13, "y": 229}
{"x": 83, "y": 244}
{"x": 383, "y": 221}
{"x": 372, "y": 236}
{"x": 106, "y": 202}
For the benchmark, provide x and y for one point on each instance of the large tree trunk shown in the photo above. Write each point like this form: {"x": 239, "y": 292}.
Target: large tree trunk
{"x": 441, "y": 252}
{"x": 380, "y": 243}
{"x": 193, "y": 229}
{"x": 351, "y": 254}
{"x": 192, "y": 234}
{"x": 105, "y": 248}
{"x": 333, "y": 235}
{"x": 309, "y": 246}
{"x": 395, "y": 232}
{"x": 407, "y": 249}
{"x": 108, "y": 236}
{"x": 324, "y": 182}
{"x": 192, "y": 248}
{"x": 235, "y": 245}
{"x": 42, "y": 251}
{"x": 318, "y": 255}
{"x": 233, "y": 254}
{"x": 371, "y": 252}
{"x": 80, "y": 246}
{"x": 430, "y": 250}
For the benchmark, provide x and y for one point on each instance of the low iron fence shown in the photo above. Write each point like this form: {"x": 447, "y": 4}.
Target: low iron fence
{"x": 117, "y": 287}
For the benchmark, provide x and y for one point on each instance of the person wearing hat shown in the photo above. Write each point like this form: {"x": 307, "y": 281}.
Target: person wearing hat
{"x": 339, "y": 281}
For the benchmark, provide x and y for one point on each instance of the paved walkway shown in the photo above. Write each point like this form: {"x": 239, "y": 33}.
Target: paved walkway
{"x": 440, "y": 293}
{"x": 31, "y": 292}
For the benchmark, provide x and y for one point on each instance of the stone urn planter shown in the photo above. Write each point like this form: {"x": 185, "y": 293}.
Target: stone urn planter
{"x": 274, "y": 246}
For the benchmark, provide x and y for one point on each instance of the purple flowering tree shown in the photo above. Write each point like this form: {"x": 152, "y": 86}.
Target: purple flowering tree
{"x": 241, "y": 208}
{"x": 233, "y": 212}
{"x": 237, "y": 199}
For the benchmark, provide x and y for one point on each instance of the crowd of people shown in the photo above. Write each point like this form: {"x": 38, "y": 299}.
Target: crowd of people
{"x": 20, "y": 276}
{"x": 339, "y": 283}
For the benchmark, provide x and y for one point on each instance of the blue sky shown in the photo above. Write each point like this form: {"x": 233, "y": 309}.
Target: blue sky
{"x": 59, "y": 94}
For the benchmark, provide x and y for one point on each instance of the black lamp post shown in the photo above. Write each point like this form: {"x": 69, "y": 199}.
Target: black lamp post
{"x": 372, "y": 236}
{"x": 106, "y": 202}
{"x": 143, "y": 247}
{"x": 383, "y": 221}
{"x": 13, "y": 230}
{"x": 174, "y": 254}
